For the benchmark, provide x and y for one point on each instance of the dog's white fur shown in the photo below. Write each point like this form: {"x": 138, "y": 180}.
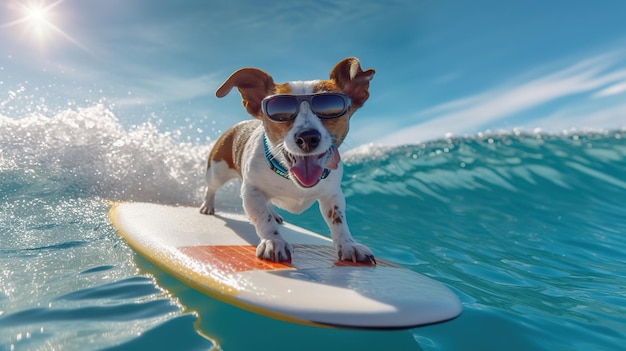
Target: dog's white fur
{"x": 239, "y": 152}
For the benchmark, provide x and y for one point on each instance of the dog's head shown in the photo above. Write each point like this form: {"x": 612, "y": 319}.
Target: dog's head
{"x": 304, "y": 121}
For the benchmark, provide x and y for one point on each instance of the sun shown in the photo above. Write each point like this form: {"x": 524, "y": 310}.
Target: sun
{"x": 37, "y": 18}
{"x": 38, "y": 21}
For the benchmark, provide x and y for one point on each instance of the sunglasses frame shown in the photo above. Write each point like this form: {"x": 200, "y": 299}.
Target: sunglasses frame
{"x": 347, "y": 103}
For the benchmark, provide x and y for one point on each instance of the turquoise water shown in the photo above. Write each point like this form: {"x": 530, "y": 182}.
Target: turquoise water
{"x": 527, "y": 229}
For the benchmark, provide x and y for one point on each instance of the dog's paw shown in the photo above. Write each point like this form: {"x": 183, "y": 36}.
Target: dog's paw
{"x": 355, "y": 252}
{"x": 274, "y": 250}
{"x": 207, "y": 210}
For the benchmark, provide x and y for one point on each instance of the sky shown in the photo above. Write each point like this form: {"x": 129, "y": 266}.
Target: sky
{"x": 442, "y": 67}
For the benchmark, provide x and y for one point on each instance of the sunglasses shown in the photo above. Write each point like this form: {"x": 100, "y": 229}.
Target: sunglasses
{"x": 285, "y": 107}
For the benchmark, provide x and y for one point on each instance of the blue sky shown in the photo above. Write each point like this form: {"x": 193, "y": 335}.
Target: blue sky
{"x": 458, "y": 67}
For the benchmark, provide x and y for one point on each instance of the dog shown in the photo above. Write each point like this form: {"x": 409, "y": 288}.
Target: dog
{"x": 287, "y": 156}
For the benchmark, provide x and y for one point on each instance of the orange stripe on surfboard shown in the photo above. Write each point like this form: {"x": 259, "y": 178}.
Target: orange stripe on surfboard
{"x": 241, "y": 258}
{"x": 231, "y": 258}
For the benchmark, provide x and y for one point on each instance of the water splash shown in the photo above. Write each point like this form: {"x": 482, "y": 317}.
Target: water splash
{"x": 87, "y": 152}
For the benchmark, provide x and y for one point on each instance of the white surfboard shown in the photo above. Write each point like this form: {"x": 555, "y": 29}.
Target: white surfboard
{"x": 216, "y": 255}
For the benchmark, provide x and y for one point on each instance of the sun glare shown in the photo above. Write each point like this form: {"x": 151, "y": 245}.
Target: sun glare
{"x": 38, "y": 21}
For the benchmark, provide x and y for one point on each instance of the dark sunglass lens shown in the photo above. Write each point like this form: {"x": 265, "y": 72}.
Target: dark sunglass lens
{"x": 281, "y": 108}
{"x": 328, "y": 106}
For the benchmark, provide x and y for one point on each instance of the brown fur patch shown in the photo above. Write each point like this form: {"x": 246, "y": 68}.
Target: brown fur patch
{"x": 282, "y": 89}
{"x": 338, "y": 127}
{"x": 276, "y": 131}
{"x": 326, "y": 85}
{"x": 253, "y": 85}
{"x": 335, "y": 215}
{"x": 229, "y": 147}
{"x": 352, "y": 80}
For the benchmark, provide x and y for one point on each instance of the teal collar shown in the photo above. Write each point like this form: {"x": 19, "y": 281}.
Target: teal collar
{"x": 278, "y": 168}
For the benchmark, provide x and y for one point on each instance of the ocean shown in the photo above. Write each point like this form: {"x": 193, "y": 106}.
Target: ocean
{"x": 527, "y": 228}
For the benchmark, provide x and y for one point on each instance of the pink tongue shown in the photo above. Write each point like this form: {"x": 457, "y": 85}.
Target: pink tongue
{"x": 307, "y": 170}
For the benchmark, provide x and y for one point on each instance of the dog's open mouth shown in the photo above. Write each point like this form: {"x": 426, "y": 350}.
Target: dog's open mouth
{"x": 307, "y": 170}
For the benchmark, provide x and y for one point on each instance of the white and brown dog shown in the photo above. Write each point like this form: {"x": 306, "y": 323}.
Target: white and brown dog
{"x": 288, "y": 156}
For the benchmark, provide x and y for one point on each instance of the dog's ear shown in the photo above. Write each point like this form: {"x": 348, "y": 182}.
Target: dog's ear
{"x": 352, "y": 80}
{"x": 253, "y": 85}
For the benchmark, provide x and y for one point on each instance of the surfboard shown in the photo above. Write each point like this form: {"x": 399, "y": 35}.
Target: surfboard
{"x": 216, "y": 255}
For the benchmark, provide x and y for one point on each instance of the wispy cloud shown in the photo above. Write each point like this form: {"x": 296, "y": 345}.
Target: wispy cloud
{"x": 614, "y": 89}
{"x": 484, "y": 109}
{"x": 612, "y": 116}
{"x": 166, "y": 89}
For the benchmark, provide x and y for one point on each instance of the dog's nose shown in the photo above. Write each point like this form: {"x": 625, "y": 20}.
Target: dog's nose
{"x": 308, "y": 140}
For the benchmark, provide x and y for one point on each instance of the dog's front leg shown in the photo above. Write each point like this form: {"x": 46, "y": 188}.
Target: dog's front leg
{"x": 333, "y": 210}
{"x": 272, "y": 246}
